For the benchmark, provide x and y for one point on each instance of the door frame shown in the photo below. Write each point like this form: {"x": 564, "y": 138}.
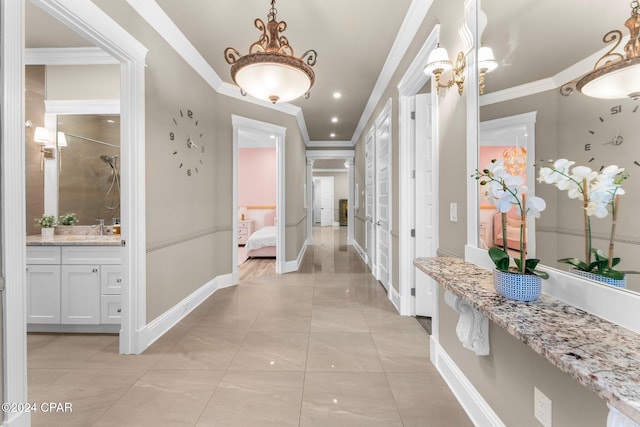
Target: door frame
{"x": 348, "y": 156}
{"x": 88, "y": 20}
{"x": 271, "y": 136}
{"x": 409, "y": 85}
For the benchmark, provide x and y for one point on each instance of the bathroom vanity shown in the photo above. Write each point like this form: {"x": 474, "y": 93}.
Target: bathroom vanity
{"x": 74, "y": 283}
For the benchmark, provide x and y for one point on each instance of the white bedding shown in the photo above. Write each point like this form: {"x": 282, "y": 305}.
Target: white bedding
{"x": 266, "y": 236}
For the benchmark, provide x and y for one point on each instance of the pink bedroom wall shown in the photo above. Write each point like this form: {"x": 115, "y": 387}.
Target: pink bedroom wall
{"x": 257, "y": 177}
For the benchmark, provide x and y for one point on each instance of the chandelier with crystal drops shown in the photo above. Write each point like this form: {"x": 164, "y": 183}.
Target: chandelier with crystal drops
{"x": 270, "y": 71}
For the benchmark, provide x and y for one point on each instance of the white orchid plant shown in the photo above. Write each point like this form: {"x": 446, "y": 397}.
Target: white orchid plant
{"x": 600, "y": 193}
{"x": 504, "y": 192}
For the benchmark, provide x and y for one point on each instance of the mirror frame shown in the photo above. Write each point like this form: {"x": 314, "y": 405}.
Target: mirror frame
{"x": 613, "y": 304}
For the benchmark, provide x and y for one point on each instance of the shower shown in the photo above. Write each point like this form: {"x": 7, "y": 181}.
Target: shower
{"x": 113, "y": 193}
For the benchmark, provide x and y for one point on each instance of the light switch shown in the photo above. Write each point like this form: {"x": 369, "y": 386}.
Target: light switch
{"x": 453, "y": 212}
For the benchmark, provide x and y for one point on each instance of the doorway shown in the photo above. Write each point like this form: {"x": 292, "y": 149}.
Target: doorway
{"x": 84, "y": 19}
{"x": 249, "y": 133}
{"x": 323, "y": 204}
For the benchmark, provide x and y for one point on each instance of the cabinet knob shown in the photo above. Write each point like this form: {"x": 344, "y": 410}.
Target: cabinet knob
{"x": 95, "y": 270}
{"x": 119, "y": 280}
{"x": 119, "y": 310}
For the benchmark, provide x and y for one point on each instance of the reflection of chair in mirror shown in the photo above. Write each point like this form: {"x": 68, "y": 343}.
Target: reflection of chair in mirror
{"x": 513, "y": 231}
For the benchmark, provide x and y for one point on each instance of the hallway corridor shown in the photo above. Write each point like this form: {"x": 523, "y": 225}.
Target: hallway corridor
{"x": 319, "y": 347}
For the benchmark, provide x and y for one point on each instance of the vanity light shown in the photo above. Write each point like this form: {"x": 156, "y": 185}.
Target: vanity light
{"x": 333, "y": 135}
{"x": 614, "y": 75}
{"x": 486, "y": 64}
{"x": 44, "y": 138}
{"x": 334, "y": 120}
{"x": 439, "y": 63}
{"x": 337, "y": 95}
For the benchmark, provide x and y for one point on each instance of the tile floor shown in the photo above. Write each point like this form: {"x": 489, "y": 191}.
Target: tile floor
{"x": 319, "y": 347}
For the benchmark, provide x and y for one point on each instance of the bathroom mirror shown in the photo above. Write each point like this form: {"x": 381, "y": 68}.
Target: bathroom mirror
{"x": 540, "y": 46}
{"x": 89, "y": 167}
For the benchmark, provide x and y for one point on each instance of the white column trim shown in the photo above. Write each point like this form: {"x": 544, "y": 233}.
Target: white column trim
{"x": 82, "y": 106}
{"x": 13, "y": 210}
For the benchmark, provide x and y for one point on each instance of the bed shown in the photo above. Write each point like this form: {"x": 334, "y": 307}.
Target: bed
{"x": 262, "y": 243}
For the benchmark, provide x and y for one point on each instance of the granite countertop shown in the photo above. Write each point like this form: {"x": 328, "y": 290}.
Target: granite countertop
{"x": 74, "y": 240}
{"x": 600, "y": 355}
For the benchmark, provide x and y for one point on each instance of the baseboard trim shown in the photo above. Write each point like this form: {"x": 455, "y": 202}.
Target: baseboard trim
{"x": 22, "y": 419}
{"x": 290, "y": 266}
{"x": 478, "y": 410}
{"x": 360, "y": 251}
{"x": 163, "y": 323}
{"x": 394, "y": 297}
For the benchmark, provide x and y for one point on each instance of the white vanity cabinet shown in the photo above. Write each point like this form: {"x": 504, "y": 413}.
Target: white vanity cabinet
{"x": 73, "y": 285}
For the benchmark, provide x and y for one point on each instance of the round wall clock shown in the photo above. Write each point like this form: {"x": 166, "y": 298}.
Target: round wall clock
{"x": 186, "y": 142}
{"x": 612, "y": 137}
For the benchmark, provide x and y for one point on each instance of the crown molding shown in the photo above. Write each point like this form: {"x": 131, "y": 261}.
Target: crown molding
{"x": 151, "y": 12}
{"x": 329, "y": 154}
{"x": 408, "y": 29}
{"x": 83, "y": 106}
{"x": 324, "y": 144}
{"x": 68, "y": 56}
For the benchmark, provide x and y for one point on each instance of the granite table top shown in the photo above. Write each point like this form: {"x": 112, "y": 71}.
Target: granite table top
{"x": 600, "y": 355}
{"x": 74, "y": 240}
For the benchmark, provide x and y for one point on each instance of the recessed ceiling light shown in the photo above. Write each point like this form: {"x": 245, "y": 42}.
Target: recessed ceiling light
{"x": 337, "y": 95}
{"x": 333, "y": 135}
{"x": 334, "y": 120}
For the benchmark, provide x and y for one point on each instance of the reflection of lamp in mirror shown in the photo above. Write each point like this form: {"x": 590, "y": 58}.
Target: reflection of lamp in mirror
{"x": 62, "y": 143}
{"x": 43, "y": 137}
{"x": 486, "y": 64}
{"x": 439, "y": 63}
{"x": 614, "y": 75}
{"x": 515, "y": 160}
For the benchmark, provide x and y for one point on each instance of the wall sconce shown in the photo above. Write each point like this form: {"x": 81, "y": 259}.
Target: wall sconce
{"x": 439, "y": 63}
{"x": 486, "y": 64}
{"x": 44, "y": 138}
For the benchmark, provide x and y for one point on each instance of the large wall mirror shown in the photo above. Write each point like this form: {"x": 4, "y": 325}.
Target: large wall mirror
{"x": 541, "y": 45}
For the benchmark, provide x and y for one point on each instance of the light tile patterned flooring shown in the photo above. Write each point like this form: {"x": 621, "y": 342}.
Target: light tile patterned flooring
{"x": 319, "y": 347}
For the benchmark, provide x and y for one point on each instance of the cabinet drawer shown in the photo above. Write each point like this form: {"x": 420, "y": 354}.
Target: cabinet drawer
{"x": 91, "y": 255}
{"x": 43, "y": 254}
{"x": 111, "y": 309}
{"x": 243, "y": 225}
{"x": 111, "y": 279}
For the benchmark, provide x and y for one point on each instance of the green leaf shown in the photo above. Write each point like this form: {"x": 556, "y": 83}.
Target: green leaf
{"x": 612, "y": 274}
{"x": 580, "y": 265}
{"x": 500, "y": 258}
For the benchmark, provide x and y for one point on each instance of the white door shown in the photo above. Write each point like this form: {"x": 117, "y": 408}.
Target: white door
{"x": 323, "y": 200}
{"x": 425, "y": 193}
{"x": 383, "y": 194}
{"x": 370, "y": 241}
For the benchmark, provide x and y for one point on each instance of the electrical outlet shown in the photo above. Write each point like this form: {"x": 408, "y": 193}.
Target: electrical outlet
{"x": 542, "y": 407}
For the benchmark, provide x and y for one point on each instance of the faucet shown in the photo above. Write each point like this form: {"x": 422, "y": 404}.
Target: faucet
{"x": 101, "y": 225}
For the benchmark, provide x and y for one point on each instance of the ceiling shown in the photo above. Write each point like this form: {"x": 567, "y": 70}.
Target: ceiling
{"x": 532, "y": 40}
{"x": 352, "y": 40}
